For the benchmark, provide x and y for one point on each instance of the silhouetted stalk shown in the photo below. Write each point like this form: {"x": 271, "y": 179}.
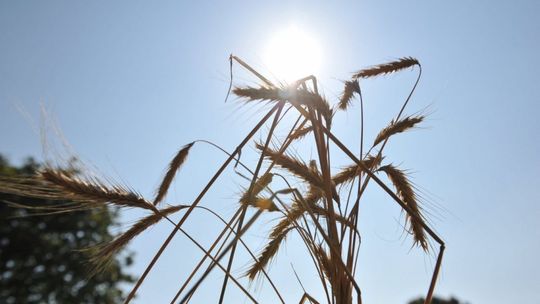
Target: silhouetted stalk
{"x": 195, "y": 203}
{"x": 244, "y": 208}
{"x": 362, "y": 188}
{"x": 216, "y": 241}
{"x": 216, "y": 262}
{"x": 225, "y": 251}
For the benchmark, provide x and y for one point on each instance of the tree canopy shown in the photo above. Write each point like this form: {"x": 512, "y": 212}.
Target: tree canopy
{"x": 41, "y": 260}
{"x": 437, "y": 300}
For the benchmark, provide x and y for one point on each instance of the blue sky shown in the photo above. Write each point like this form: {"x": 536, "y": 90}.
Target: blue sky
{"x": 130, "y": 82}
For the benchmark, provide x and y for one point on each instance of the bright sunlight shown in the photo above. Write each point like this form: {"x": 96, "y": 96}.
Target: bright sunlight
{"x": 292, "y": 54}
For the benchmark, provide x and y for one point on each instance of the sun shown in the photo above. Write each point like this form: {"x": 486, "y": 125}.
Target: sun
{"x": 292, "y": 54}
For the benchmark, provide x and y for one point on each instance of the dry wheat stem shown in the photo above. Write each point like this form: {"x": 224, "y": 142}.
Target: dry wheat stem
{"x": 366, "y": 181}
{"x": 216, "y": 241}
{"x": 195, "y": 203}
{"x": 329, "y": 243}
{"x": 216, "y": 262}
{"x": 225, "y": 251}
{"x": 228, "y": 227}
{"x": 333, "y": 240}
{"x": 251, "y": 191}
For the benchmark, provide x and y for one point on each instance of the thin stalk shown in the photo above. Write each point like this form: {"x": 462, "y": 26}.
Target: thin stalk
{"x": 195, "y": 203}
{"x": 327, "y": 182}
{"x": 216, "y": 241}
{"x": 327, "y": 240}
{"x": 225, "y": 251}
{"x": 253, "y": 181}
{"x": 362, "y": 188}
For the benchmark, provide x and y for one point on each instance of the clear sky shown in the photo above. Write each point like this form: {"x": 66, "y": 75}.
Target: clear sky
{"x": 130, "y": 82}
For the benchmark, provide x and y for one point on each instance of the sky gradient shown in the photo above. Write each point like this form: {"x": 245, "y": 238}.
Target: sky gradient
{"x": 130, "y": 82}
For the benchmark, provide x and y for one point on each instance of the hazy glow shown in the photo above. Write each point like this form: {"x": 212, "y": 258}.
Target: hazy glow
{"x": 292, "y": 54}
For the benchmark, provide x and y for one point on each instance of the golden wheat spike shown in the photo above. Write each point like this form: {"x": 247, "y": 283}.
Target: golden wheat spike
{"x": 95, "y": 191}
{"x": 261, "y": 183}
{"x": 393, "y": 128}
{"x": 103, "y": 253}
{"x": 348, "y": 173}
{"x": 299, "y": 133}
{"x": 294, "y": 166}
{"x": 350, "y": 88}
{"x": 406, "y": 192}
{"x": 174, "y": 166}
{"x": 386, "y": 68}
{"x": 267, "y": 254}
{"x": 293, "y": 95}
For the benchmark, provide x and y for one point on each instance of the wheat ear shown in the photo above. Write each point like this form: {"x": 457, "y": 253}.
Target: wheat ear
{"x": 348, "y": 173}
{"x": 174, "y": 166}
{"x": 405, "y": 191}
{"x": 93, "y": 191}
{"x": 399, "y": 126}
{"x": 261, "y": 183}
{"x": 300, "y": 133}
{"x": 295, "y": 96}
{"x": 294, "y": 166}
{"x": 267, "y": 254}
{"x": 386, "y": 68}
{"x": 350, "y": 88}
{"x": 104, "y": 253}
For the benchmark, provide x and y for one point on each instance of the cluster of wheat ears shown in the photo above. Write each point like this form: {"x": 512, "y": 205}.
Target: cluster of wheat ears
{"x": 322, "y": 211}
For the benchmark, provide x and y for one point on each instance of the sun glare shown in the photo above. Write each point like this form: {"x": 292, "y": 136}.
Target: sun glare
{"x": 292, "y": 54}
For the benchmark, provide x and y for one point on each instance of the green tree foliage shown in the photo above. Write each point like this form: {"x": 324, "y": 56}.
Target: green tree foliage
{"x": 40, "y": 256}
{"x": 437, "y": 300}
